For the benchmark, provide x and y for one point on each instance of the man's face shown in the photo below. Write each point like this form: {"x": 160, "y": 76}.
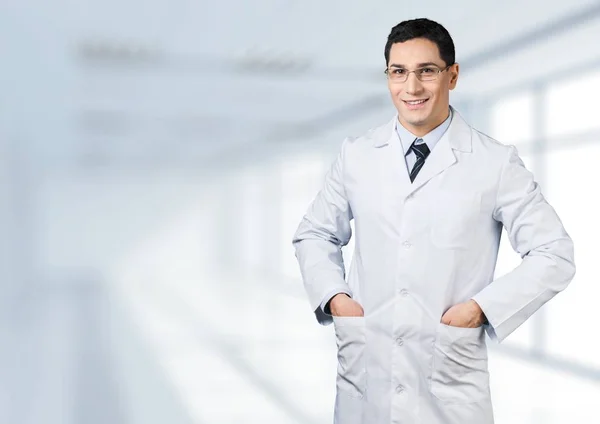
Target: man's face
{"x": 420, "y": 117}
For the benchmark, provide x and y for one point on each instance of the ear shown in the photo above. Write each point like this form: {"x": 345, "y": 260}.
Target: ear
{"x": 453, "y": 71}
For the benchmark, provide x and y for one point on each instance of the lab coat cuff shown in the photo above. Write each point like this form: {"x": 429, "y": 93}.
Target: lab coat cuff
{"x": 491, "y": 323}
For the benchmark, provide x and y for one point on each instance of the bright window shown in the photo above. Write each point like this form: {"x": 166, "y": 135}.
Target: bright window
{"x": 512, "y": 119}
{"x": 571, "y": 315}
{"x": 301, "y": 179}
{"x": 572, "y": 106}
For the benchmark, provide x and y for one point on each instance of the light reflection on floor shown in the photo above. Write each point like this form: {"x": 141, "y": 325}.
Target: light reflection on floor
{"x": 212, "y": 351}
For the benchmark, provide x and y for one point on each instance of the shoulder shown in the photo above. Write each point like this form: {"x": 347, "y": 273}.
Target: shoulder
{"x": 498, "y": 159}
{"x": 370, "y": 137}
{"x": 491, "y": 149}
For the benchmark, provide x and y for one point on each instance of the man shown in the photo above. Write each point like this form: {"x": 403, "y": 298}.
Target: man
{"x": 429, "y": 196}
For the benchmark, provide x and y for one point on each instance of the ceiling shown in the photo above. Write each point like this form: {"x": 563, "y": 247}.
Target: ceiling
{"x": 193, "y": 79}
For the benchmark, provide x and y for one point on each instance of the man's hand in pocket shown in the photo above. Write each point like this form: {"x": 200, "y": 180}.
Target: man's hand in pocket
{"x": 466, "y": 315}
{"x": 342, "y": 305}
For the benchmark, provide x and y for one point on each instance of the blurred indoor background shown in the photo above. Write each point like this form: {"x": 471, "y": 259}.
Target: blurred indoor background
{"x": 157, "y": 156}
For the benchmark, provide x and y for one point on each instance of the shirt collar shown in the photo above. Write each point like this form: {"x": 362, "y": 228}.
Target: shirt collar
{"x": 431, "y": 138}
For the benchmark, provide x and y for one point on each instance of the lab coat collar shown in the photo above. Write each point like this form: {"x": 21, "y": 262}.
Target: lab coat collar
{"x": 459, "y": 133}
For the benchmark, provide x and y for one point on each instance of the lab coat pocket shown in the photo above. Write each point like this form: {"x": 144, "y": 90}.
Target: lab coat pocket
{"x": 350, "y": 339}
{"x": 460, "y": 370}
{"x": 348, "y": 409}
{"x": 454, "y": 219}
{"x": 351, "y": 372}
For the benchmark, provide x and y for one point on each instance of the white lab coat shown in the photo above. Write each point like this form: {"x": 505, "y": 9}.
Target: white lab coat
{"x": 419, "y": 249}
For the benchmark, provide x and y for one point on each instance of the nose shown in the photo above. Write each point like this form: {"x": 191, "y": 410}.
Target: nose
{"x": 412, "y": 85}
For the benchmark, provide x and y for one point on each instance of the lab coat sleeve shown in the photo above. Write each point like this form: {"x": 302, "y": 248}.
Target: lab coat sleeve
{"x": 536, "y": 233}
{"x": 318, "y": 241}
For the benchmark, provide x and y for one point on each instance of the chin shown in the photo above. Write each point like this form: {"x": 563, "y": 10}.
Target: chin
{"x": 415, "y": 120}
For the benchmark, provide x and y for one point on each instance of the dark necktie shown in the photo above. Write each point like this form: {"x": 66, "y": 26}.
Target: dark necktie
{"x": 421, "y": 151}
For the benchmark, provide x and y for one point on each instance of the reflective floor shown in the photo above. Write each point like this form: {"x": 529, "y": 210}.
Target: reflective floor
{"x": 222, "y": 350}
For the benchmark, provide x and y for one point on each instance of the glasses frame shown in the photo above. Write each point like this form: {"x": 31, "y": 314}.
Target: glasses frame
{"x": 437, "y": 74}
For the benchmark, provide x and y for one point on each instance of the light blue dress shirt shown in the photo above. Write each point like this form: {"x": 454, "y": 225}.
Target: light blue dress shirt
{"x": 431, "y": 139}
{"x": 406, "y": 139}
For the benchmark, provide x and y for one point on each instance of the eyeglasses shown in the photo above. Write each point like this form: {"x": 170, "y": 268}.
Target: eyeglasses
{"x": 427, "y": 73}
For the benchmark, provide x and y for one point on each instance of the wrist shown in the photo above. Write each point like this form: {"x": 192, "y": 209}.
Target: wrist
{"x": 335, "y": 299}
{"x": 479, "y": 312}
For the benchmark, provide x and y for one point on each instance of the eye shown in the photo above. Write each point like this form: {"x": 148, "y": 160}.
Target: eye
{"x": 428, "y": 70}
{"x": 399, "y": 71}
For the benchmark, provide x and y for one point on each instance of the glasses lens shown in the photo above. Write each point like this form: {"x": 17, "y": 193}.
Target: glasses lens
{"x": 423, "y": 74}
{"x": 428, "y": 74}
{"x": 396, "y": 75}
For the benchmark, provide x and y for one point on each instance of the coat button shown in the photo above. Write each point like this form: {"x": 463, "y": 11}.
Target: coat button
{"x": 399, "y": 341}
{"x": 403, "y": 292}
{"x": 407, "y": 245}
{"x": 399, "y": 388}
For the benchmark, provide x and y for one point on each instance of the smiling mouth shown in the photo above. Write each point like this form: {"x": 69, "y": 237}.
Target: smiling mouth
{"x": 415, "y": 102}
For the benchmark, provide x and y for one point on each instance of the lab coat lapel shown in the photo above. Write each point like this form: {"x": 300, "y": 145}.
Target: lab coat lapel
{"x": 457, "y": 137}
{"x": 395, "y": 176}
{"x": 440, "y": 158}
{"x": 443, "y": 155}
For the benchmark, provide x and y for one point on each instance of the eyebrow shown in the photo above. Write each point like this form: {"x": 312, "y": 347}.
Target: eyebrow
{"x": 420, "y": 65}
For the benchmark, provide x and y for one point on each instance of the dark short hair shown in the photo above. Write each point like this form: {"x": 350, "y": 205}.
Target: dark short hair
{"x": 422, "y": 28}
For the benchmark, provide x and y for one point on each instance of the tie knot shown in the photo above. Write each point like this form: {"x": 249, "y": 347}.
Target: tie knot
{"x": 420, "y": 149}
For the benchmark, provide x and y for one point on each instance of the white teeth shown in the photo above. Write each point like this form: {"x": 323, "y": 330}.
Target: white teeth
{"x": 416, "y": 102}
